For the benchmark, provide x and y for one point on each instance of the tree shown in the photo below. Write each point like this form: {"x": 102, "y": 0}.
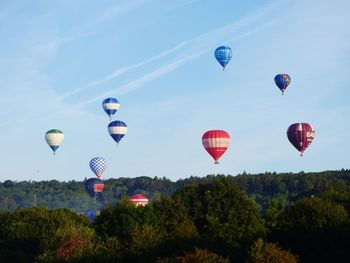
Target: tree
{"x": 178, "y": 232}
{"x": 26, "y": 234}
{"x": 317, "y": 230}
{"x": 272, "y": 212}
{"x": 196, "y": 256}
{"x": 262, "y": 252}
{"x": 226, "y": 218}
{"x": 119, "y": 220}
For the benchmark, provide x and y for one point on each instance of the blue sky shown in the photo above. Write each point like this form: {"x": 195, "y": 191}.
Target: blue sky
{"x": 60, "y": 59}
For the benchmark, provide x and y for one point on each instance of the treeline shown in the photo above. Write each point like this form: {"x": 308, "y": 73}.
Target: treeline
{"x": 211, "y": 222}
{"x": 285, "y": 187}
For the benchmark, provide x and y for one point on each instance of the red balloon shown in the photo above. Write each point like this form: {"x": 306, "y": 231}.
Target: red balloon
{"x": 216, "y": 143}
{"x": 301, "y": 136}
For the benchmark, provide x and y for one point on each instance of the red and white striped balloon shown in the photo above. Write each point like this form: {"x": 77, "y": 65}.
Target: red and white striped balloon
{"x": 216, "y": 143}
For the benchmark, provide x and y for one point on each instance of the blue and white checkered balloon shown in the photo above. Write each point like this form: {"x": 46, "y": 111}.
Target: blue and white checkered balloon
{"x": 98, "y": 165}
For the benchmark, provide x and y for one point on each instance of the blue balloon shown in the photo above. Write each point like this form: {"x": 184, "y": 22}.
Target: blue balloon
{"x": 98, "y": 165}
{"x": 223, "y": 55}
{"x": 282, "y": 81}
{"x": 90, "y": 213}
{"x": 94, "y": 186}
{"x": 110, "y": 106}
{"x": 117, "y": 130}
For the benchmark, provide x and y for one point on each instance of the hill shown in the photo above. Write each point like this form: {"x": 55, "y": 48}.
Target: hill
{"x": 286, "y": 188}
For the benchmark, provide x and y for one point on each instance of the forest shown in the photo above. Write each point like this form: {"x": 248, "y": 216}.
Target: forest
{"x": 286, "y": 187}
{"x": 267, "y": 217}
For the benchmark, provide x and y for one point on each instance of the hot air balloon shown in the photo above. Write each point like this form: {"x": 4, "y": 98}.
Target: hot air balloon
{"x": 301, "y": 136}
{"x": 223, "y": 55}
{"x": 98, "y": 165}
{"x": 54, "y": 139}
{"x": 216, "y": 143}
{"x": 139, "y": 200}
{"x": 93, "y": 186}
{"x": 117, "y": 129}
{"x": 110, "y": 106}
{"x": 282, "y": 81}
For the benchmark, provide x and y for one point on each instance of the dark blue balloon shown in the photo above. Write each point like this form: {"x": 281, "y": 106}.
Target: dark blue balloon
{"x": 90, "y": 213}
{"x": 94, "y": 186}
{"x": 117, "y": 130}
{"x": 110, "y": 106}
{"x": 223, "y": 55}
{"x": 282, "y": 81}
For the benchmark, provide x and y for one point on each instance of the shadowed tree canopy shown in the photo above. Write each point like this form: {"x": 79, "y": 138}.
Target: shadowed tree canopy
{"x": 315, "y": 229}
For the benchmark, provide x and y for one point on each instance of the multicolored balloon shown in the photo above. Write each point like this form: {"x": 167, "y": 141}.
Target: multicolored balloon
{"x": 93, "y": 186}
{"x": 110, "y": 106}
{"x": 301, "y": 136}
{"x": 54, "y": 138}
{"x": 117, "y": 130}
{"x": 216, "y": 143}
{"x": 282, "y": 81}
{"x": 98, "y": 166}
{"x": 223, "y": 55}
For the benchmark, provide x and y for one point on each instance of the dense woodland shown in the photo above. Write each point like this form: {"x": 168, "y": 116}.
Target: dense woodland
{"x": 286, "y": 187}
{"x": 268, "y": 217}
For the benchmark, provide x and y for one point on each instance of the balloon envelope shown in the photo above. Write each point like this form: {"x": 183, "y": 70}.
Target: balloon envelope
{"x": 139, "y": 199}
{"x": 301, "y": 136}
{"x": 110, "y": 106}
{"x": 282, "y": 81}
{"x": 216, "y": 143}
{"x": 93, "y": 186}
{"x": 54, "y": 138}
{"x": 117, "y": 130}
{"x": 98, "y": 165}
{"x": 223, "y": 55}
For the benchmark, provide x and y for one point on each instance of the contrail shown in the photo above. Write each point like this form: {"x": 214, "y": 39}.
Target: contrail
{"x": 134, "y": 84}
{"x": 202, "y": 42}
{"x": 121, "y": 71}
{"x": 137, "y": 83}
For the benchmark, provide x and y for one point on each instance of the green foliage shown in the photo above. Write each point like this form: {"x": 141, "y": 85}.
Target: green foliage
{"x": 226, "y": 218}
{"x": 175, "y": 226}
{"x": 206, "y": 219}
{"x": 120, "y": 219}
{"x": 27, "y": 233}
{"x": 286, "y": 187}
{"x": 262, "y": 252}
{"x": 315, "y": 229}
{"x": 70, "y": 242}
{"x": 196, "y": 256}
{"x": 172, "y": 219}
{"x": 272, "y": 213}
{"x": 290, "y": 187}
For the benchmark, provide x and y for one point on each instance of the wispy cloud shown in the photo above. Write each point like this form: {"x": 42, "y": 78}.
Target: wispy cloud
{"x": 119, "y": 9}
{"x": 98, "y": 23}
{"x": 179, "y": 4}
{"x": 161, "y": 71}
{"x": 121, "y": 71}
{"x": 137, "y": 83}
{"x": 93, "y": 26}
{"x": 203, "y": 42}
